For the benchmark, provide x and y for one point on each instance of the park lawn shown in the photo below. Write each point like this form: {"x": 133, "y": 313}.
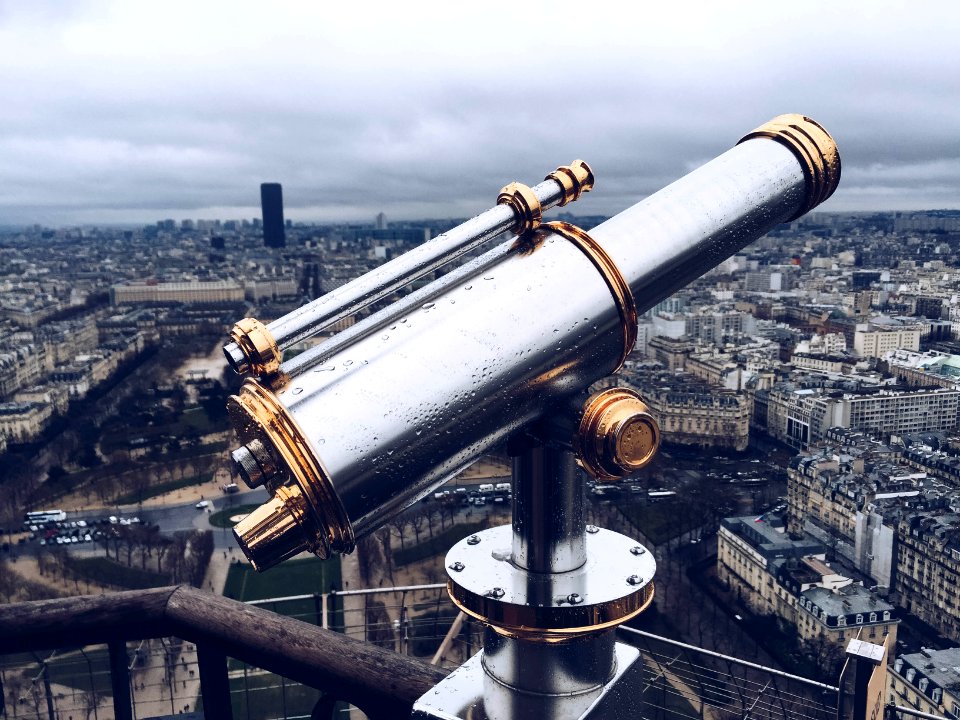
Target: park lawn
{"x": 162, "y": 489}
{"x": 294, "y": 577}
{"x": 72, "y": 669}
{"x": 221, "y": 518}
{"x": 258, "y": 696}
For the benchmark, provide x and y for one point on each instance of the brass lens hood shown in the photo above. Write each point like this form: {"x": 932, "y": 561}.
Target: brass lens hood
{"x": 813, "y": 147}
{"x": 257, "y": 414}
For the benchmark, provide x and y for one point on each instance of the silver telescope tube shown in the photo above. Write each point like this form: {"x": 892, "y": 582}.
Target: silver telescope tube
{"x": 257, "y": 349}
{"x": 383, "y": 421}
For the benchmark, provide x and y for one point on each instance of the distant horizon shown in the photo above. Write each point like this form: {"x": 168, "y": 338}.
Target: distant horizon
{"x": 132, "y": 225}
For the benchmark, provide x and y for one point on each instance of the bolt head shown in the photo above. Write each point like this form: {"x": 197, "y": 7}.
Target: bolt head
{"x": 635, "y": 580}
{"x": 497, "y": 592}
{"x": 574, "y": 598}
{"x": 592, "y": 529}
{"x": 638, "y": 550}
{"x": 473, "y": 540}
{"x": 457, "y": 566}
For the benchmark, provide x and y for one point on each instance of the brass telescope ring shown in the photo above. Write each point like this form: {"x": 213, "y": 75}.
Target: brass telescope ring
{"x": 258, "y": 345}
{"x": 622, "y": 296}
{"x": 525, "y": 205}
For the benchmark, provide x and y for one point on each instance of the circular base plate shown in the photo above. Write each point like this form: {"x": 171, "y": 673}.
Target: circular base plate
{"x": 611, "y": 587}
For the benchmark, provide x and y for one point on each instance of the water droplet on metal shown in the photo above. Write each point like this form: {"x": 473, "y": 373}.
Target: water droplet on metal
{"x": 428, "y": 306}
{"x": 297, "y": 390}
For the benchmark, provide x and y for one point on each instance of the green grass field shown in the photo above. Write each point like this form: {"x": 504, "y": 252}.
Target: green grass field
{"x": 221, "y": 518}
{"x": 294, "y": 577}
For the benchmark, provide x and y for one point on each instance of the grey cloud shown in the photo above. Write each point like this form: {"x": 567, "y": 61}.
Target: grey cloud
{"x": 419, "y": 121}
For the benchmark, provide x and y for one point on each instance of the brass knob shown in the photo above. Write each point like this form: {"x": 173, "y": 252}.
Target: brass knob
{"x": 617, "y": 434}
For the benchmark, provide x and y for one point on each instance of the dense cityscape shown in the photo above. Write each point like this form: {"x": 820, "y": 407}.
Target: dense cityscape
{"x": 808, "y": 390}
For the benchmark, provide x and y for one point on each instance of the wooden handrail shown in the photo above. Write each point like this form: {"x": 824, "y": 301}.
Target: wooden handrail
{"x": 380, "y": 682}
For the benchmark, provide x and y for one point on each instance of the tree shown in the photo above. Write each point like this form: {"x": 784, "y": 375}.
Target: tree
{"x": 90, "y": 701}
{"x": 417, "y": 520}
{"x": 8, "y": 582}
{"x": 399, "y": 525}
{"x": 162, "y": 546}
{"x": 433, "y": 515}
{"x": 56, "y": 474}
{"x": 89, "y": 457}
{"x": 383, "y": 536}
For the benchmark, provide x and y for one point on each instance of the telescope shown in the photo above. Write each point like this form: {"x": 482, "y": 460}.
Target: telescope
{"x": 505, "y": 348}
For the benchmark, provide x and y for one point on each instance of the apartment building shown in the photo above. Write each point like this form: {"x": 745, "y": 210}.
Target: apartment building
{"x": 928, "y": 681}
{"x": 790, "y": 579}
{"x": 928, "y": 569}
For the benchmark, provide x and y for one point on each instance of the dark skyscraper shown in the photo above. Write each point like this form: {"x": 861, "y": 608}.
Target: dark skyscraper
{"x": 271, "y": 199}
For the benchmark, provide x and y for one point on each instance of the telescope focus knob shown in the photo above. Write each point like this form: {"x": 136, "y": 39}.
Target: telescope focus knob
{"x": 617, "y": 434}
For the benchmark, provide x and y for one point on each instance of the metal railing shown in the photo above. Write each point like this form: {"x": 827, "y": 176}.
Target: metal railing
{"x": 173, "y": 651}
{"x": 382, "y": 683}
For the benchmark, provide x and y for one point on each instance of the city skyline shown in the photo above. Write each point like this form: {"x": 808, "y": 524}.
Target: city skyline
{"x": 126, "y": 114}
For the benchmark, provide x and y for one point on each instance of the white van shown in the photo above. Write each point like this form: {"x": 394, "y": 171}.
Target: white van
{"x": 486, "y": 489}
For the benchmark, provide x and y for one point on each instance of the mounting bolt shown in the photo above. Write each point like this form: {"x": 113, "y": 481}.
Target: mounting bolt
{"x": 638, "y": 550}
{"x": 457, "y": 566}
{"x": 497, "y": 593}
{"x": 635, "y": 580}
{"x": 473, "y": 540}
{"x": 574, "y": 599}
{"x": 592, "y": 529}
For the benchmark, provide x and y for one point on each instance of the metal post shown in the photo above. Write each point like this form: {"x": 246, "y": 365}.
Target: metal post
{"x": 863, "y": 682}
{"x": 551, "y": 590}
{"x": 246, "y": 692}
{"x": 46, "y": 687}
{"x": 214, "y": 682}
{"x": 120, "y": 680}
{"x": 548, "y": 524}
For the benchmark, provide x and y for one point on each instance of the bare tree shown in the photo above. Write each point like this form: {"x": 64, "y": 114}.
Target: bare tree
{"x": 399, "y": 525}
{"x": 8, "y": 584}
{"x": 449, "y": 511}
{"x": 417, "y": 521}
{"x": 433, "y": 515}
{"x": 383, "y": 536}
{"x": 90, "y": 701}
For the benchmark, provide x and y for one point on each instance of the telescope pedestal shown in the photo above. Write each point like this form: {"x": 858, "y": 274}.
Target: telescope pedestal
{"x": 470, "y": 693}
{"x": 551, "y": 590}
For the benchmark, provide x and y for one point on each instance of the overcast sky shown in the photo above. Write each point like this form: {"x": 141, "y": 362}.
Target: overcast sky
{"x": 135, "y": 111}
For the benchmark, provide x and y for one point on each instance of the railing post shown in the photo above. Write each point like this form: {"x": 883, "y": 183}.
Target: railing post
{"x": 51, "y": 714}
{"x": 120, "y": 680}
{"x": 214, "y": 682}
{"x": 863, "y": 682}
